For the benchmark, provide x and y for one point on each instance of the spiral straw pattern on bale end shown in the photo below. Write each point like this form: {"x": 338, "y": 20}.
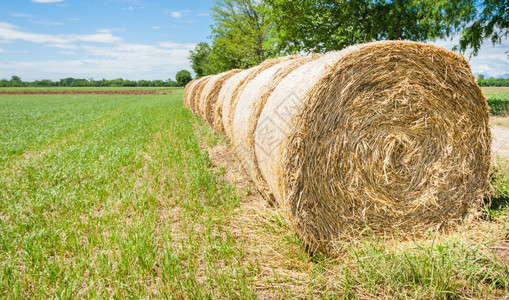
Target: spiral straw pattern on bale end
{"x": 392, "y": 136}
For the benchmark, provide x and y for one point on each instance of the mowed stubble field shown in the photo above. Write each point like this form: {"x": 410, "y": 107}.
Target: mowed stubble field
{"x": 132, "y": 196}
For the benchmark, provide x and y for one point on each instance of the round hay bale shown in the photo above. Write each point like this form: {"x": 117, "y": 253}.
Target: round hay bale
{"x": 188, "y": 90}
{"x": 224, "y": 98}
{"x": 392, "y": 136}
{"x": 195, "y": 95}
{"x": 211, "y": 92}
{"x": 247, "y": 113}
{"x": 203, "y": 98}
{"x": 237, "y": 92}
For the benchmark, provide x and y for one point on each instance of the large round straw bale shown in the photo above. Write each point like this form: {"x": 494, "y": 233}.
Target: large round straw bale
{"x": 188, "y": 90}
{"x": 210, "y": 92}
{"x": 232, "y": 104}
{"x": 392, "y": 136}
{"x": 225, "y": 96}
{"x": 203, "y": 98}
{"x": 194, "y": 99}
{"x": 248, "y": 110}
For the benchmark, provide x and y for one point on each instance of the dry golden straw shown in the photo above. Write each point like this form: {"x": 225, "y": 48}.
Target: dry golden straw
{"x": 237, "y": 92}
{"x": 388, "y": 137}
{"x": 203, "y": 97}
{"x": 247, "y": 114}
{"x": 195, "y": 95}
{"x": 188, "y": 90}
{"x": 211, "y": 93}
{"x": 224, "y": 98}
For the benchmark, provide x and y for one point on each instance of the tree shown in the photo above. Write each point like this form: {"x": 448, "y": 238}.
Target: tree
{"x": 66, "y": 81}
{"x": 320, "y": 26}
{"x": 491, "y": 23}
{"x": 16, "y": 81}
{"x": 15, "y": 78}
{"x": 199, "y": 58}
{"x": 239, "y": 34}
{"x": 239, "y": 38}
{"x": 183, "y": 77}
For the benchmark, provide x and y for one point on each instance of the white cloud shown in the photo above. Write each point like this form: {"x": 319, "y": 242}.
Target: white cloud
{"x": 22, "y": 15}
{"x": 109, "y": 30}
{"x": 47, "y": 23}
{"x": 132, "y": 3}
{"x": 490, "y": 59}
{"x": 130, "y": 61}
{"x": 62, "y": 46}
{"x": 11, "y": 32}
{"x": 2, "y": 50}
{"x": 94, "y": 38}
{"x": 155, "y": 27}
{"x": 203, "y": 15}
{"x": 47, "y": 1}
{"x": 175, "y": 14}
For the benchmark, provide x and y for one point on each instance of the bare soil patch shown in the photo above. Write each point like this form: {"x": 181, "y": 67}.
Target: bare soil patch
{"x": 86, "y": 92}
{"x": 500, "y": 135}
{"x": 495, "y": 89}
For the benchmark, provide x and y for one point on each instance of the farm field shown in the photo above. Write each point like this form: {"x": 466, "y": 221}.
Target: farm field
{"x": 494, "y": 90}
{"x": 132, "y": 196}
{"x": 85, "y": 90}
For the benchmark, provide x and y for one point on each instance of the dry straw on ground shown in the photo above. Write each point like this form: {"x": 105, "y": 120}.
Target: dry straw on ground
{"x": 387, "y": 136}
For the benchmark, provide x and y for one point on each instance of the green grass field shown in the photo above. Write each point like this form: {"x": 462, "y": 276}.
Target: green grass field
{"x": 498, "y": 100}
{"x": 115, "y": 196}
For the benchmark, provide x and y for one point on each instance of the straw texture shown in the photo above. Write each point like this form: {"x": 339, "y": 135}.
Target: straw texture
{"x": 237, "y": 92}
{"x": 388, "y": 136}
{"x": 211, "y": 93}
{"x": 248, "y": 112}
{"x": 195, "y": 97}
{"x": 188, "y": 90}
{"x": 225, "y": 97}
{"x": 203, "y": 97}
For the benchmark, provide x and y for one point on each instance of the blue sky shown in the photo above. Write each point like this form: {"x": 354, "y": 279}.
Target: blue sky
{"x": 130, "y": 39}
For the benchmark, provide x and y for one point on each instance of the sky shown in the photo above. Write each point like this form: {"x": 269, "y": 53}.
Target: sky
{"x": 130, "y": 39}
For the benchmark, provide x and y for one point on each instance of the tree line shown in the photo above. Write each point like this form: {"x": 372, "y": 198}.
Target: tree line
{"x": 182, "y": 78}
{"x": 482, "y": 81}
{"x": 246, "y": 32}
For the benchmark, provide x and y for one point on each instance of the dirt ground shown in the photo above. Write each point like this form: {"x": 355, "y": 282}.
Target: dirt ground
{"x": 500, "y": 134}
{"x": 495, "y": 89}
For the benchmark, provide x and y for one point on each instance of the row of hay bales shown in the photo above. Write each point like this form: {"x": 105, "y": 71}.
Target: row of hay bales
{"x": 388, "y": 136}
